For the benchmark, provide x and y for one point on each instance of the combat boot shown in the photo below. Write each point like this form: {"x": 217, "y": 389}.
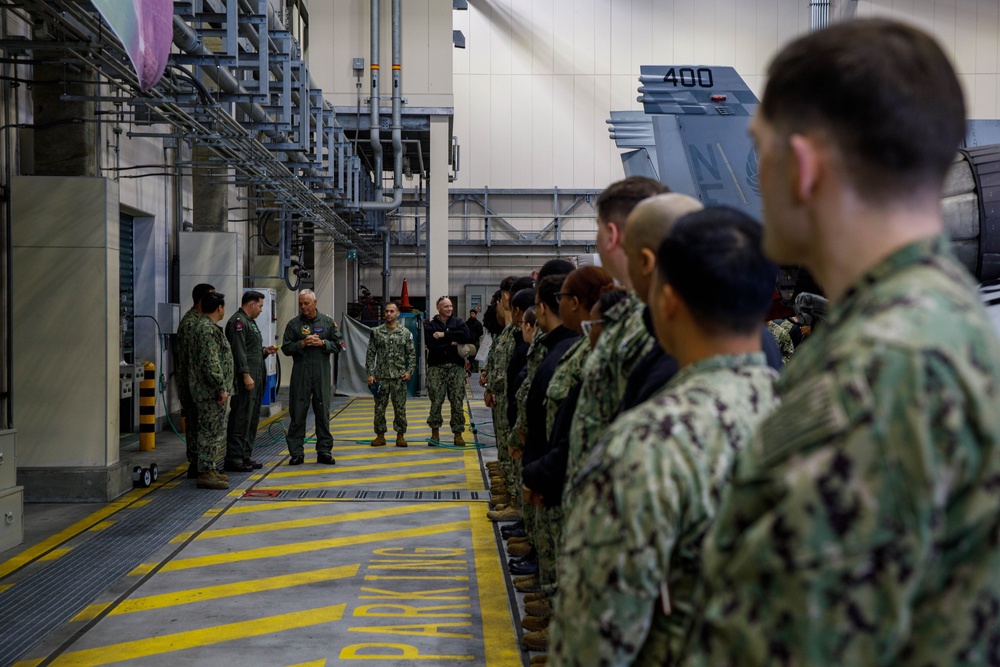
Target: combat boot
{"x": 379, "y": 440}
{"x": 498, "y": 500}
{"x": 519, "y": 548}
{"x": 207, "y": 480}
{"x": 459, "y": 442}
{"x": 535, "y": 597}
{"x": 536, "y": 641}
{"x": 509, "y": 514}
{"x": 221, "y": 475}
{"x": 493, "y": 465}
{"x": 528, "y": 583}
{"x": 400, "y": 440}
{"x": 534, "y": 623}
{"x": 435, "y": 435}
{"x": 542, "y": 659}
{"x": 539, "y": 608}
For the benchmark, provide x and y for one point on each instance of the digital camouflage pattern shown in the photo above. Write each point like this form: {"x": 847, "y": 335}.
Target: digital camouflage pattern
{"x": 185, "y": 343}
{"x": 209, "y": 373}
{"x": 647, "y": 494}
{"x": 781, "y": 330}
{"x": 623, "y": 343}
{"x": 567, "y": 375}
{"x": 446, "y": 381}
{"x": 311, "y": 381}
{"x": 390, "y": 356}
{"x": 496, "y": 382}
{"x": 244, "y": 409}
{"x": 863, "y": 521}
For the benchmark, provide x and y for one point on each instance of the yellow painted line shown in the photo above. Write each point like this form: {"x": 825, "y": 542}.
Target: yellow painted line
{"x": 314, "y": 663}
{"x": 360, "y": 481}
{"x": 215, "y": 511}
{"x": 141, "y": 503}
{"x": 319, "y": 521}
{"x": 220, "y": 591}
{"x": 264, "y": 506}
{"x": 343, "y": 470}
{"x": 498, "y": 629}
{"x": 181, "y": 537}
{"x": 106, "y": 524}
{"x": 55, "y": 553}
{"x": 473, "y": 474}
{"x": 211, "y": 636}
{"x": 4, "y": 587}
{"x": 279, "y": 551}
{"x": 262, "y": 426}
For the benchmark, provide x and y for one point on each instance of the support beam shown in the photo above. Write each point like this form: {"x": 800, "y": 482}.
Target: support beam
{"x": 437, "y": 218}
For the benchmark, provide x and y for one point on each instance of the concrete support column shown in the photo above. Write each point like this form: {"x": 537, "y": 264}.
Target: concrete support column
{"x": 65, "y": 131}
{"x": 323, "y": 279}
{"x": 341, "y": 282}
{"x": 437, "y": 214}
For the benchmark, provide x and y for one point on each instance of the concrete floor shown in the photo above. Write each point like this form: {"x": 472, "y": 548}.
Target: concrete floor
{"x": 306, "y": 565}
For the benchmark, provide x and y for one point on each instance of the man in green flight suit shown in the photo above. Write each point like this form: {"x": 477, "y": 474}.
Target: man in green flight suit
{"x": 309, "y": 340}
{"x": 210, "y": 379}
{"x": 390, "y": 361}
{"x": 248, "y": 360}
{"x": 184, "y": 344}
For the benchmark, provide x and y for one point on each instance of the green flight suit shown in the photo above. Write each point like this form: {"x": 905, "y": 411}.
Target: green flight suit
{"x": 244, "y": 408}
{"x": 311, "y": 379}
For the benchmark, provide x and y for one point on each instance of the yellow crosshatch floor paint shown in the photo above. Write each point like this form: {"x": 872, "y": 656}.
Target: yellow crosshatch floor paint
{"x": 385, "y": 558}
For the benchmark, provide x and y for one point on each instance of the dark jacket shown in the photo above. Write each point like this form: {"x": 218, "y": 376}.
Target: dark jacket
{"x": 475, "y": 331}
{"x": 547, "y": 474}
{"x": 441, "y": 351}
{"x": 556, "y": 343}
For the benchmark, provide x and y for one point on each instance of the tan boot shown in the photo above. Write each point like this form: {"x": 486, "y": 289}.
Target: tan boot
{"x": 539, "y": 608}
{"x": 498, "y": 500}
{"x": 435, "y": 435}
{"x": 534, "y": 623}
{"x": 508, "y": 514}
{"x": 379, "y": 440}
{"x": 221, "y": 475}
{"x": 207, "y": 480}
{"x": 539, "y": 659}
{"x": 459, "y": 442}
{"x": 400, "y": 440}
{"x": 519, "y": 548}
{"x": 528, "y": 583}
{"x": 535, "y": 597}
{"x": 517, "y": 540}
{"x": 535, "y": 641}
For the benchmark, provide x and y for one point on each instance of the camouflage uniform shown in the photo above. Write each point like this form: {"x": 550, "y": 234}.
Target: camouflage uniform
{"x": 209, "y": 374}
{"x": 862, "y": 523}
{"x": 311, "y": 382}
{"x": 185, "y": 343}
{"x": 496, "y": 382}
{"x": 623, "y": 343}
{"x": 244, "y": 409}
{"x": 647, "y": 495}
{"x": 782, "y": 336}
{"x": 390, "y": 356}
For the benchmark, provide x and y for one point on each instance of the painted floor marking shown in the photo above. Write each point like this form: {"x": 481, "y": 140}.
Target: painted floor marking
{"x": 220, "y": 591}
{"x": 363, "y": 481}
{"x": 143, "y": 648}
{"x": 342, "y": 470}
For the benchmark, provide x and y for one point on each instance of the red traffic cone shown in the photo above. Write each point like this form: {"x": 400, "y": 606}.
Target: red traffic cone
{"x": 404, "y": 296}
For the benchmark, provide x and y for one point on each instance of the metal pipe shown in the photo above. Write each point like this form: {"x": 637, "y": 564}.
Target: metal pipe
{"x": 397, "y": 103}
{"x": 819, "y": 14}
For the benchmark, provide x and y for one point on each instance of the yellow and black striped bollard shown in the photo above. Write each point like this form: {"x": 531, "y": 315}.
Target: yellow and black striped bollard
{"x": 147, "y": 408}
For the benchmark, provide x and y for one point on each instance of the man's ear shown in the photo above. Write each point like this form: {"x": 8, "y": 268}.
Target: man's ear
{"x": 671, "y": 302}
{"x": 648, "y": 261}
{"x": 807, "y": 163}
{"x": 616, "y": 234}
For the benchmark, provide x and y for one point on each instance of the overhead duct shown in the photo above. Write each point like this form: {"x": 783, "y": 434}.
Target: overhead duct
{"x": 397, "y": 103}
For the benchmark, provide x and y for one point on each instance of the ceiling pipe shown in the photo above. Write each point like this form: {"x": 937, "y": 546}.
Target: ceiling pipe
{"x": 397, "y": 103}
{"x": 819, "y": 11}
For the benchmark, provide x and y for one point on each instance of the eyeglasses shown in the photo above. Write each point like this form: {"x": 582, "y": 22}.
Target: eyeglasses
{"x": 587, "y": 325}
{"x": 560, "y": 295}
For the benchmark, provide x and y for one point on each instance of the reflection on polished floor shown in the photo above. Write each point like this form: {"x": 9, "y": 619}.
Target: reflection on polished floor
{"x": 386, "y": 558}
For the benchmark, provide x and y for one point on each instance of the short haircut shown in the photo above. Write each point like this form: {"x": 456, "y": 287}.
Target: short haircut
{"x": 200, "y": 290}
{"x": 548, "y": 288}
{"x": 473, "y": 312}
{"x": 393, "y": 303}
{"x": 523, "y": 299}
{"x": 309, "y": 293}
{"x": 586, "y": 284}
{"x": 530, "y": 316}
{"x": 714, "y": 260}
{"x": 211, "y": 301}
{"x": 883, "y": 92}
{"x": 555, "y": 267}
{"x": 440, "y": 299}
{"x": 618, "y": 199}
{"x": 506, "y": 283}
{"x": 251, "y": 296}
{"x": 521, "y": 283}
{"x": 610, "y": 298}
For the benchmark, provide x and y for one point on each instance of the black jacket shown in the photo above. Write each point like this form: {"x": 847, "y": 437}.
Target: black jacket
{"x": 441, "y": 351}
{"x": 475, "y": 331}
{"x": 556, "y": 343}
{"x": 547, "y": 474}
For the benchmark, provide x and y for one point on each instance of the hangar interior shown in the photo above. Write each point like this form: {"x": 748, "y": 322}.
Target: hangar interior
{"x": 339, "y": 145}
